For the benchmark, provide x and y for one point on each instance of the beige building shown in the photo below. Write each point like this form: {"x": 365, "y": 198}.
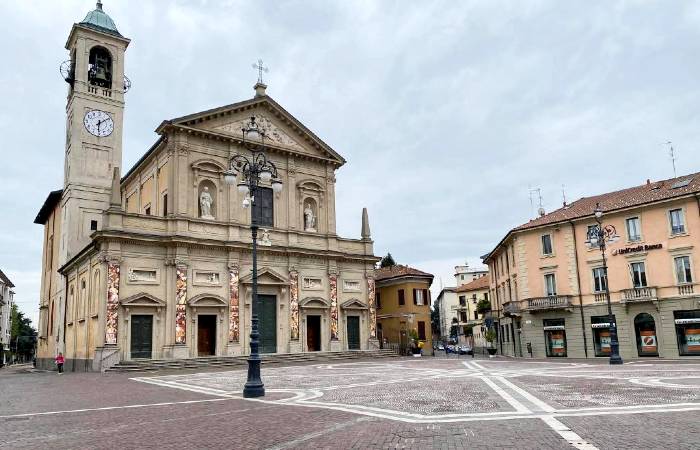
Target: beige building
{"x": 448, "y": 299}
{"x": 470, "y": 321}
{"x": 6, "y": 302}
{"x": 157, "y": 263}
{"x": 548, "y": 284}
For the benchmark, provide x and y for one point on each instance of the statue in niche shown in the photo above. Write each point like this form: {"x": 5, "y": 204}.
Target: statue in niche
{"x": 205, "y": 202}
{"x": 309, "y": 218}
{"x": 265, "y": 238}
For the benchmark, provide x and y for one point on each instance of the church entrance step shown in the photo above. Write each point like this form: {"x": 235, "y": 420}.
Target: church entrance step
{"x": 242, "y": 361}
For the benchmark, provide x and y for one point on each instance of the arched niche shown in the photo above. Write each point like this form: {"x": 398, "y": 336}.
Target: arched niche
{"x": 311, "y": 198}
{"x": 100, "y": 67}
{"x": 206, "y": 200}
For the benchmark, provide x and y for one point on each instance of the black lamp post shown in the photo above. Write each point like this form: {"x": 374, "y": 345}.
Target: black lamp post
{"x": 598, "y": 236}
{"x": 253, "y": 170}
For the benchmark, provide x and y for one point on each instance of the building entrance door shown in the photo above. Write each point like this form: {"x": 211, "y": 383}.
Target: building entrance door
{"x": 313, "y": 333}
{"x": 645, "y": 329}
{"x": 141, "y": 336}
{"x": 353, "y": 332}
{"x": 206, "y": 335}
{"x": 267, "y": 324}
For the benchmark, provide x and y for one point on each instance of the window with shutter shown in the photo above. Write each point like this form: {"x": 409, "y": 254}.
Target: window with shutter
{"x": 263, "y": 207}
{"x": 402, "y": 300}
{"x": 415, "y": 296}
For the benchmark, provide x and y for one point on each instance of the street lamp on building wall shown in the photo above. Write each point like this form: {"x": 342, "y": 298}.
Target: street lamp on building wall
{"x": 253, "y": 170}
{"x": 598, "y": 236}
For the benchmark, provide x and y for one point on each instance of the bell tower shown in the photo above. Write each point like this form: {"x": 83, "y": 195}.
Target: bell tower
{"x": 94, "y": 123}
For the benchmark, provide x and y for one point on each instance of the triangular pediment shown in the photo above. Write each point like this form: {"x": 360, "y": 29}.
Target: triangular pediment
{"x": 265, "y": 276}
{"x": 353, "y": 303}
{"x": 282, "y": 130}
{"x": 142, "y": 299}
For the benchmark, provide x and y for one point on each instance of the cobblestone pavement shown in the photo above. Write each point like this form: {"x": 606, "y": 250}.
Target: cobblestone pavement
{"x": 402, "y": 403}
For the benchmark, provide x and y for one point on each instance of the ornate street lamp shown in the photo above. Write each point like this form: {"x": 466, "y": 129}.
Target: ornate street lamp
{"x": 253, "y": 170}
{"x": 598, "y": 236}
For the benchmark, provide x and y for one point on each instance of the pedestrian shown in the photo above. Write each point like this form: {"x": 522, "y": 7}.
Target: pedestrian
{"x": 59, "y": 362}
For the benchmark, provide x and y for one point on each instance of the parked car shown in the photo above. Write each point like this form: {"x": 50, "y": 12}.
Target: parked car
{"x": 465, "y": 350}
{"x": 441, "y": 347}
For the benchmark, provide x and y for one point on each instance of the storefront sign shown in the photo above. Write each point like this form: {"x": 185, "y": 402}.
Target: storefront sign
{"x": 553, "y": 328}
{"x": 685, "y": 321}
{"x": 637, "y": 249}
{"x": 648, "y": 338}
{"x": 600, "y": 325}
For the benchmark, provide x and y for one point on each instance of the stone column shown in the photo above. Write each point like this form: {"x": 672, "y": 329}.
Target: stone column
{"x": 372, "y": 309}
{"x": 333, "y": 284}
{"x": 294, "y": 304}
{"x": 112, "y": 315}
{"x": 233, "y": 330}
{"x": 181, "y": 304}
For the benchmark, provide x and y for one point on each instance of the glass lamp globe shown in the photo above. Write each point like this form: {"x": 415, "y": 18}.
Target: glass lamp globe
{"x": 230, "y": 177}
{"x": 243, "y": 187}
{"x": 252, "y": 134}
{"x": 265, "y": 175}
{"x": 276, "y": 185}
{"x": 594, "y": 239}
{"x": 246, "y": 202}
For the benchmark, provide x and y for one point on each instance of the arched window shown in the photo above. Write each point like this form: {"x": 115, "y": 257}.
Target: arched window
{"x": 645, "y": 329}
{"x": 100, "y": 67}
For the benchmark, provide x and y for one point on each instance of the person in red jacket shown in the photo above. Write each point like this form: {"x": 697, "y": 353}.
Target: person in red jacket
{"x": 59, "y": 362}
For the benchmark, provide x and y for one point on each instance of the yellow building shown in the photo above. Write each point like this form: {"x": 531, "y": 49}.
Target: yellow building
{"x": 548, "y": 282}
{"x": 403, "y": 304}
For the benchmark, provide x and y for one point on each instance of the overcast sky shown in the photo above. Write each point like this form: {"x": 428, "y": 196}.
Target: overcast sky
{"x": 445, "y": 111}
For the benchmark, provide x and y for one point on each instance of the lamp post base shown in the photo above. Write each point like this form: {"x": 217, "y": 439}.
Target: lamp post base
{"x": 615, "y": 359}
{"x": 254, "y": 387}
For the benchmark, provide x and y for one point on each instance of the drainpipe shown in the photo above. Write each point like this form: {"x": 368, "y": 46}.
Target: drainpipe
{"x": 580, "y": 297}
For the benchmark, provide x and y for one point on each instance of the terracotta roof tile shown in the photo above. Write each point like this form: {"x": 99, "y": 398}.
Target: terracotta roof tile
{"x": 478, "y": 284}
{"x": 384, "y": 273}
{"x": 614, "y": 201}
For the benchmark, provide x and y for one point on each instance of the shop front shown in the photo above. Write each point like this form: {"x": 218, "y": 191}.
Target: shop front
{"x": 555, "y": 337}
{"x": 601, "y": 334}
{"x": 688, "y": 332}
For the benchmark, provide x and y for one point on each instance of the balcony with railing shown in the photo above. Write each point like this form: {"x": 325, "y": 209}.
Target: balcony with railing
{"x": 549, "y": 302}
{"x": 685, "y": 289}
{"x": 511, "y": 308}
{"x": 600, "y": 297}
{"x": 639, "y": 294}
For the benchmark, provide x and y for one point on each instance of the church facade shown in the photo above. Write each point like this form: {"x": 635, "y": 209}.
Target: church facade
{"x": 156, "y": 262}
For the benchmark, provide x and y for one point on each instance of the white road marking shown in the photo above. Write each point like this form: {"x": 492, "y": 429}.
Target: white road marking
{"x": 568, "y": 435}
{"x": 109, "y": 408}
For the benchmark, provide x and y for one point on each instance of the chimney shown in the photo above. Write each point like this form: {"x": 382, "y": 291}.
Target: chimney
{"x": 648, "y": 181}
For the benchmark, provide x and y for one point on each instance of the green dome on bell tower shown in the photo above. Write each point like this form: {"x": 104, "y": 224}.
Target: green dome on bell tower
{"x": 98, "y": 20}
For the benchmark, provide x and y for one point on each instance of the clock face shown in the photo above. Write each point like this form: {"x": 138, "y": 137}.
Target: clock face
{"x": 98, "y": 123}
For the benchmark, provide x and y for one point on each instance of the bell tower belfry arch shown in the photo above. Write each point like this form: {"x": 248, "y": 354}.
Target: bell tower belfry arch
{"x": 94, "y": 124}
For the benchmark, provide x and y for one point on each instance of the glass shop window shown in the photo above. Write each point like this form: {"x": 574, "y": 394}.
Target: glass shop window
{"x": 555, "y": 337}
{"x": 601, "y": 334}
{"x": 688, "y": 332}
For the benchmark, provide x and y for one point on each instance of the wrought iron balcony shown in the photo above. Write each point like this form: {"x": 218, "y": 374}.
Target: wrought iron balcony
{"x": 510, "y": 308}
{"x": 550, "y": 302}
{"x": 640, "y": 294}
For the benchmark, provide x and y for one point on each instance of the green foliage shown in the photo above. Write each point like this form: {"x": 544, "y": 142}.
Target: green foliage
{"x": 22, "y": 334}
{"x": 435, "y": 319}
{"x": 413, "y": 334}
{"x": 483, "y": 306}
{"x": 387, "y": 261}
{"x": 490, "y": 336}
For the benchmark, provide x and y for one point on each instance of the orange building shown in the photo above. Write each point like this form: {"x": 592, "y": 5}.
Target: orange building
{"x": 403, "y": 304}
{"x": 547, "y": 281}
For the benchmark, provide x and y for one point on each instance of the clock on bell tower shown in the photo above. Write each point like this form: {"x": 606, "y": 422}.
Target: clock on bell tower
{"x": 94, "y": 123}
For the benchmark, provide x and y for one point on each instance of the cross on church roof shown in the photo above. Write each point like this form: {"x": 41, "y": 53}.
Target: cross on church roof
{"x": 260, "y": 68}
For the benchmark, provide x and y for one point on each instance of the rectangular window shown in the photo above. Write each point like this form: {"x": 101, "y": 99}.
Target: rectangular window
{"x": 93, "y": 225}
{"x": 547, "y": 244}
{"x": 683, "y": 274}
{"x": 402, "y": 299}
{"x": 634, "y": 230}
{"x": 421, "y": 330}
{"x": 463, "y": 316}
{"x": 462, "y": 300}
{"x": 601, "y": 334}
{"x": 419, "y": 297}
{"x": 263, "y": 207}
{"x": 550, "y": 285}
{"x": 486, "y": 296}
{"x": 599, "y": 280}
{"x": 676, "y": 218}
{"x": 555, "y": 337}
{"x": 378, "y": 300}
{"x": 165, "y": 205}
{"x": 147, "y": 210}
{"x": 639, "y": 275}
